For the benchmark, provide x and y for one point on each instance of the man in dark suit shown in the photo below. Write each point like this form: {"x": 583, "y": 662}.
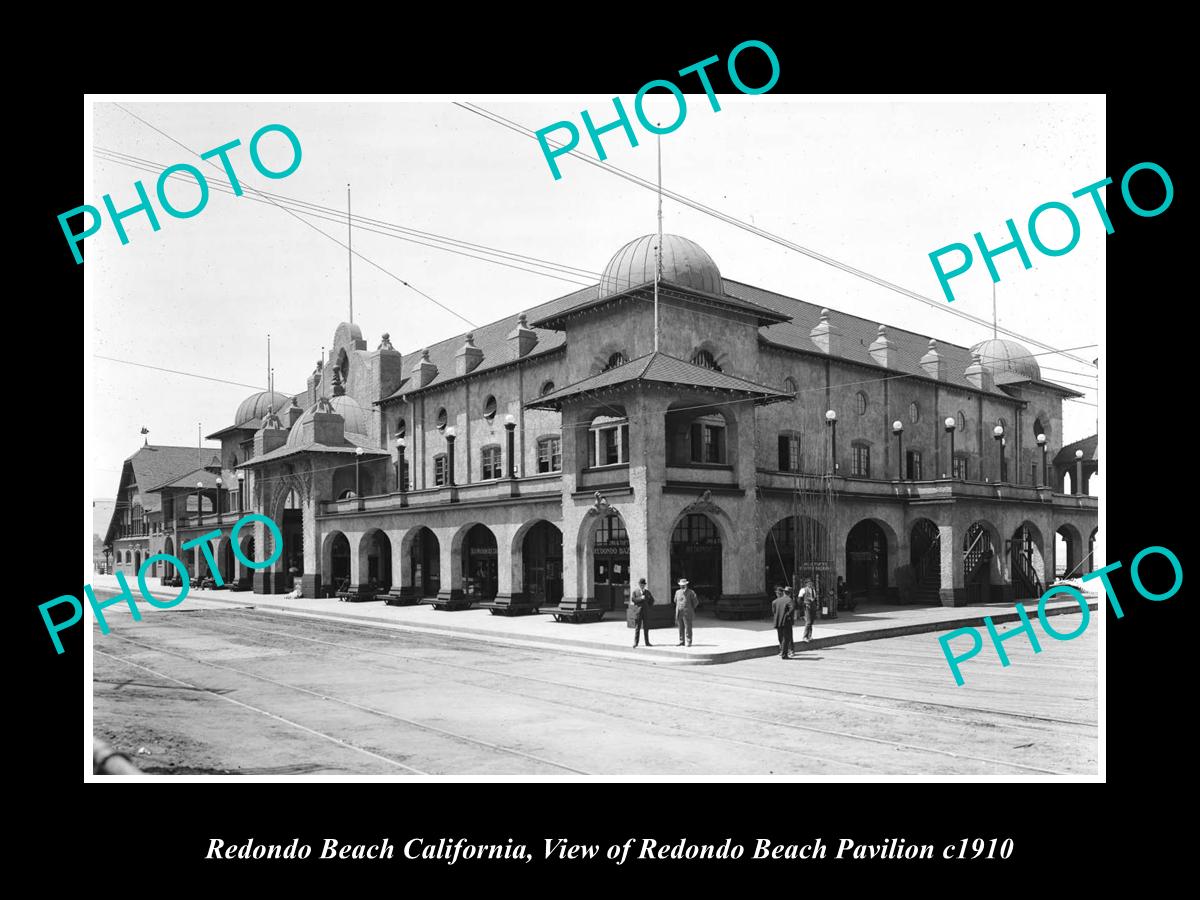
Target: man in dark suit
{"x": 641, "y": 600}
{"x": 784, "y": 608}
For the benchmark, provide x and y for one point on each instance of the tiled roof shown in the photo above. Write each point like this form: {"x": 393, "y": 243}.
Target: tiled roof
{"x": 286, "y": 450}
{"x": 205, "y": 477}
{"x": 765, "y": 316}
{"x": 250, "y": 425}
{"x": 1089, "y": 445}
{"x": 154, "y": 465}
{"x": 660, "y": 368}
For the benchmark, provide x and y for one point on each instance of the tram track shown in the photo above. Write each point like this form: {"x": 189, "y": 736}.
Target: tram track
{"x": 627, "y": 697}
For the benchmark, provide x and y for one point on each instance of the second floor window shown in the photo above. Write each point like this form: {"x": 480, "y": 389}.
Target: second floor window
{"x": 609, "y": 442}
{"x": 789, "y": 452}
{"x": 549, "y": 455}
{"x": 491, "y": 463}
{"x": 913, "y": 465}
{"x": 616, "y": 359}
{"x": 862, "y": 461}
{"x": 705, "y": 360}
{"x": 708, "y": 442}
{"x": 440, "y": 469}
{"x": 960, "y": 467}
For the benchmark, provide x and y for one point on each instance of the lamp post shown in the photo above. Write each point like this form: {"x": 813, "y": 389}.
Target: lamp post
{"x": 950, "y": 426}
{"x": 219, "y": 483}
{"x": 199, "y": 502}
{"x": 358, "y": 453}
{"x": 1041, "y": 439}
{"x": 998, "y": 434}
{"x": 831, "y": 421}
{"x": 401, "y": 481}
{"x": 241, "y": 477}
{"x": 450, "y": 435}
{"x": 510, "y": 425}
{"x": 898, "y": 431}
{"x": 1079, "y": 472}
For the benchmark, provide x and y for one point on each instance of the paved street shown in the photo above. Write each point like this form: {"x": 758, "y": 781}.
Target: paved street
{"x": 214, "y": 689}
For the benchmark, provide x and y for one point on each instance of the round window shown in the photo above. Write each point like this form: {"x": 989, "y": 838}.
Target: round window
{"x": 489, "y": 408}
{"x": 861, "y": 403}
{"x": 401, "y": 428}
{"x": 441, "y": 419}
{"x": 547, "y": 388}
{"x": 962, "y": 421}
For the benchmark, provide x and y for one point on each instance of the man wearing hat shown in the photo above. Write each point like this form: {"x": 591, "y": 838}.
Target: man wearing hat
{"x": 640, "y": 600}
{"x": 784, "y": 607}
{"x": 685, "y": 610}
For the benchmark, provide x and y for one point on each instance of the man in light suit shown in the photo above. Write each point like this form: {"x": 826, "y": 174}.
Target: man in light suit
{"x": 685, "y": 610}
{"x": 784, "y": 608}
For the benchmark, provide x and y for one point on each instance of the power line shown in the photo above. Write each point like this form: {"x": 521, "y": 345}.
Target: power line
{"x": 309, "y": 224}
{"x": 753, "y": 229}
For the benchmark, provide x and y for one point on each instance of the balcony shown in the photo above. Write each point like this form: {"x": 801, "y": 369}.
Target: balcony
{"x": 209, "y": 519}
{"x": 480, "y": 492}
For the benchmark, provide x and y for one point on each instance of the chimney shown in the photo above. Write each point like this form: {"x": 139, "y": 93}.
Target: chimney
{"x": 424, "y": 371}
{"x": 978, "y": 375}
{"x": 828, "y": 338}
{"x": 294, "y": 412}
{"x": 933, "y": 363}
{"x": 522, "y": 338}
{"x": 468, "y": 357}
{"x": 883, "y": 351}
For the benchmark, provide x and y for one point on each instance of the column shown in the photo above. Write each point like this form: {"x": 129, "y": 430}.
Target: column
{"x": 450, "y": 595}
{"x": 952, "y": 589}
{"x": 403, "y": 592}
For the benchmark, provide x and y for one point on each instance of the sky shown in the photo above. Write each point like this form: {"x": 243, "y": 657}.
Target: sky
{"x": 876, "y": 185}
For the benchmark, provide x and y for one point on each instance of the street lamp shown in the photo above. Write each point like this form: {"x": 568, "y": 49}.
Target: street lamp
{"x": 450, "y": 435}
{"x": 358, "y": 453}
{"x": 219, "y": 499}
{"x": 1079, "y": 472}
{"x": 241, "y": 477}
{"x": 401, "y": 481}
{"x": 898, "y": 431}
{"x": 199, "y": 503}
{"x": 831, "y": 421}
{"x": 1041, "y": 439}
{"x": 998, "y": 434}
{"x": 950, "y": 426}
{"x": 510, "y": 425}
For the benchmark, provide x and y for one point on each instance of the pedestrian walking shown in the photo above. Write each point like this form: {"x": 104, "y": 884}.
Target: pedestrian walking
{"x": 640, "y": 601}
{"x": 808, "y": 596}
{"x": 784, "y": 608}
{"x": 685, "y": 611}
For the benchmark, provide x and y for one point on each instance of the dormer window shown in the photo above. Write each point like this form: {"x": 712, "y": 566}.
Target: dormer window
{"x": 705, "y": 360}
{"x": 617, "y": 359}
{"x": 489, "y": 408}
{"x": 441, "y": 419}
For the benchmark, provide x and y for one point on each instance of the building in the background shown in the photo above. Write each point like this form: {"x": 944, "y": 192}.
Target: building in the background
{"x": 732, "y": 435}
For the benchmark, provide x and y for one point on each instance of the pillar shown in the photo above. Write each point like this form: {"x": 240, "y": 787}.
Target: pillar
{"x": 952, "y": 590}
{"x": 450, "y": 594}
{"x": 403, "y": 592}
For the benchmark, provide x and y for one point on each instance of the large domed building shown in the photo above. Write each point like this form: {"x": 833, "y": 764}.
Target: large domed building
{"x": 705, "y": 428}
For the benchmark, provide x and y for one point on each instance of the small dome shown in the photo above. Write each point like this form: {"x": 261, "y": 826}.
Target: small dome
{"x": 346, "y": 407}
{"x": 999, "y": 356}
{"x": 256, "y": 406}
{"x": 684, "y": 262}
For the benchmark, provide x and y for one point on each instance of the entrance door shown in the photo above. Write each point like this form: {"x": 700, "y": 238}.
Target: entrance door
{"x": 612, "y": 581}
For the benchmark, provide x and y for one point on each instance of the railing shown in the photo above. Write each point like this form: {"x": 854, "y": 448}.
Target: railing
{"x": 978, "y": 555}
{"x": 480, "y": 491}
{"x": 1025, "y": 570}
{"x": 128, "y": 531}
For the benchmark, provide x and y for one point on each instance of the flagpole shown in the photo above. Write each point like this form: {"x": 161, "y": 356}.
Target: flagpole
{"x": 658, "y": 259}
{"x": 350, "y": 252}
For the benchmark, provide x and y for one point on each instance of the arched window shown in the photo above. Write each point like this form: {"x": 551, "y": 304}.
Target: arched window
{"x": 441, "y": 419}
{"x": 914, "y": 412}
{"x": 860, "y": 403}
{"x": 490, "y": 457}
{"x": 962, "y": 421}
{"x": 789, "y": 385}
{"x": 616, "y": 359}
{"x": 705, "y": 360}
{"x": 344, "y": 366}
{"x": 547, "y": 388}
{"x": 401, "y": 428}
{"x": 489, "y": 408}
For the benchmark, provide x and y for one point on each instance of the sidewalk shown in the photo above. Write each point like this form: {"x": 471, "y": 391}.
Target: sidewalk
{"x": 715, "y": 640}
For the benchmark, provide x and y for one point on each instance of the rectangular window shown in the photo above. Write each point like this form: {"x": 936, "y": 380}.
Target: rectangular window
{"x": 960, "y": 468}
{"x": 789, "y": 453}
{"x": 862, "y": 461}
{"x": 609, "y": 445}
{"x": 491, "y": 463}
{"x": 549, "y": 455}
{"x": 439, "y": 469}
{"x": 914, "y": 465}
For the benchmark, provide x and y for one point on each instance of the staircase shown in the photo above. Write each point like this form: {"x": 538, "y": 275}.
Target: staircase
{"x": 978, "y": 555}
{"x": 928, "y": 572}
{"x": 1025, "y": 580}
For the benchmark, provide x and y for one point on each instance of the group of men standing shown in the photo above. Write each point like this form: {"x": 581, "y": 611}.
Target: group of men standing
{"x": 787, "y": 609}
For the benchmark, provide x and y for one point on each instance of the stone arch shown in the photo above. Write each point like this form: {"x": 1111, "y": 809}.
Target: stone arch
{"x": 137, "y": 560}
{"x": 474, "y": 551}
{"x": 981, "y": 551}
{"x": 335, "y": 560}
{"x": 1068, "y": 552}
{"x": 375, "y": 559}
{"x": 1091, "y": 549}
{"x": 536, "y": 558}
{"x": 920, "y": 581}
{"x": 700, "y": 528}
{"x": 719, "y": 356}
{"x": 604, "y": 355}
{"x": 816, "y": 553}
{"x": 226, "y": 564}
{"x": 612, "y": 555}
{"x": 421, "y": 546}
{"x": 1027, "y": 561}
{"x": 247, "y": 545}
{"x": 872, "y": 550}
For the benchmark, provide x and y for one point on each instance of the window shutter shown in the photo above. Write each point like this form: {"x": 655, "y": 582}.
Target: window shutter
{"x": 625, "y": 443}
{"x": 784, "y": 453}
{"x": 592, "y": 448}
{"x": 697, "y": 443}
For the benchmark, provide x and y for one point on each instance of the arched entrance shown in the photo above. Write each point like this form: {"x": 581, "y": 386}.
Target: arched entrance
{"x": 542, "y": 559}
{"x": 867, "y": 560}
{"x": 375, "y": 561}
{"x": 610, "y": 555}
{"x": 225, "y": 564}
{"x": 798, "y": 548}
{"x": 339, "y": 561}
{"x": 696, "y": 556}
{"x": 426, "y": 563}
{"x": 1068, "y": 552}
{"x": 978, "y": 552}
{"x": 1025, "y": 562}
{"x": 480, "y": 561}
{"x": 137, "y": 561}
{"x": 925, "y": 558}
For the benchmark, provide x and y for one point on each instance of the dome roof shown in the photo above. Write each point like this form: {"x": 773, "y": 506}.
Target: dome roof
{"x": 346, "y": 407}
{"x": 999, "y": 356}
{"x": 256, "y": 406}
{"x": 683, "y": 262}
